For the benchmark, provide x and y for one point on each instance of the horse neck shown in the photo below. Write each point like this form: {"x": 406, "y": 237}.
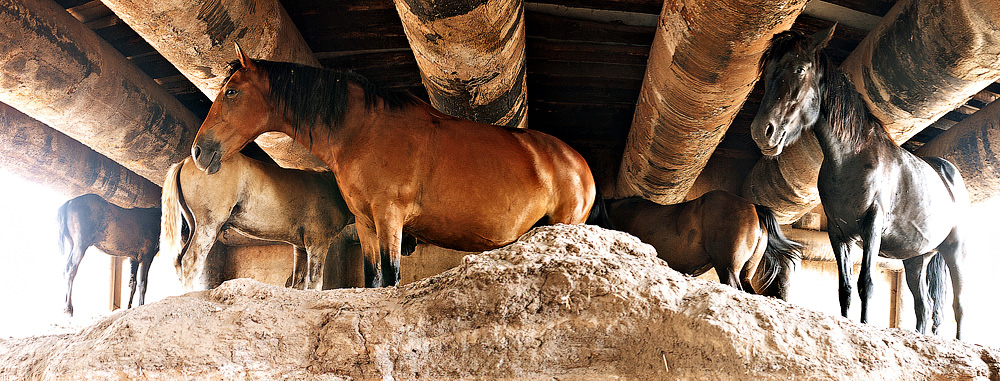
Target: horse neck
{"x": 846, "y": 126}
{"x": 327, "y": 141}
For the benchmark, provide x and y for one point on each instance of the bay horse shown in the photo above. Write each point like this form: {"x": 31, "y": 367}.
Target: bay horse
{"x": 742, "y": 241}
{"x": 260, "y": 200}
{"x": 896, "y": 204}
{"x": 401, "y": 165}
{"x": 89, "y": 220}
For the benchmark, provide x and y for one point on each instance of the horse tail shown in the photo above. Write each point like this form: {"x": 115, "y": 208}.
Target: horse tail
{"x": 781, "y": 256}
{"x": 599, "y": 213}
{"x": 936, "y": 271}
{"x": 61, "y": 221}
{"x": 171, "y": 221}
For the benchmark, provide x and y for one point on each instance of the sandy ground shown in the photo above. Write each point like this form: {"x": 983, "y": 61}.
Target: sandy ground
{"x": 565, "y": 301}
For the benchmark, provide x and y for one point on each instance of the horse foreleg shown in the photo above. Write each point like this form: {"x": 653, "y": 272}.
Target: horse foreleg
{"x": 335, "y": 271}
{"x": 871, "y": 236}
{"x": 299, "y": 265}
{"x": 315, "y": 262}
{"x": 842, "y": 253}
{"x": 134, "y": 267}
{"x": 382, "y": 247}
{"x": 914, "y": 271}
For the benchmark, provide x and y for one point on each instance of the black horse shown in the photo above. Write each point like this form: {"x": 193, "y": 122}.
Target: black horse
{"x": 897, "y": 204}
{"x": 88, "y": 220}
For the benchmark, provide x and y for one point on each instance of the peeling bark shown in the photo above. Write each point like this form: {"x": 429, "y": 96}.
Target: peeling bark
{"x": 471, "y": 57}
{"x": 41, "y": 154}
{"x": 56, "y": 70}
{"x": 702, "y": 66}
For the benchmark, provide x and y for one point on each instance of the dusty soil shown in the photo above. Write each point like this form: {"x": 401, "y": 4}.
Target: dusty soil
{"x": 566, "y": 301}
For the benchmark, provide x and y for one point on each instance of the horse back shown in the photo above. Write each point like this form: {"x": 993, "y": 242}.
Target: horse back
{"x": 467, "y": 185}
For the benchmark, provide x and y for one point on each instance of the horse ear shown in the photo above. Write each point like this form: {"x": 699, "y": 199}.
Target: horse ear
{"x": 244, "y": 58}
{"x": 819, "y": 39}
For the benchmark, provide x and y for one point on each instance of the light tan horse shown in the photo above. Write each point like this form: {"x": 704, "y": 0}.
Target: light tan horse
{"x": 264, "y": 201}
{"x": 400, "y": 164}
{"x": 742, "y": 241}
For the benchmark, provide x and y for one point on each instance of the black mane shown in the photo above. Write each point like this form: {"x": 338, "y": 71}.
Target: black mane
{"x": 309, "y": 95}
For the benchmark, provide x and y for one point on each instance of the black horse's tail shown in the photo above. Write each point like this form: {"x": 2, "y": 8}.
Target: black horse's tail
{"x": 599, "y": 214}
{"x": 63, "y": 229}
{"x": 781, "y": 256}
{"x": 936, "y": 273}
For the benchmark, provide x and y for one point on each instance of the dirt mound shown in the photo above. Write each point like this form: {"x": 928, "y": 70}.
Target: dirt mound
{"x": 563, "y": 301}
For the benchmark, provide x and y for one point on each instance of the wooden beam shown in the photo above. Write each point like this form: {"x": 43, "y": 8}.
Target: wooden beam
{"x": 59, "y": 72}
{"x": 702, "y": 66}
{"x": 471, "y": 57}
{"x": 41, "y": 154}
{"x": 198, "y": 37}
{"x": 972, "y": 146}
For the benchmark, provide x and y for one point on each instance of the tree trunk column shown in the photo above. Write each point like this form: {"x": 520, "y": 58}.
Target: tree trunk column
{"x": 471, "y": 57}
{"x": 702, "y": 66}
{"x": 56, "y": 70}
{"x": 41, "y": 154}
{"x": 197, "y": 37}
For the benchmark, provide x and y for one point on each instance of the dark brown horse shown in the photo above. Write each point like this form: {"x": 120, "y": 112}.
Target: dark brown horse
{"x": 896, "y": 204}
{"x": 742, "y": 241}
{"x": 88, "y": 221}
{"x": 401, "y": 164}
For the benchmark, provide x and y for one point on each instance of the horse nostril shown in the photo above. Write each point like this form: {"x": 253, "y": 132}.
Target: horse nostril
{"x": 196, "y": 152}
{"x": 769, "y": 131}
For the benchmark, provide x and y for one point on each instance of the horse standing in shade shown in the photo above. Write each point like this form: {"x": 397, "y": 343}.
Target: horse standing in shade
{"x": 401, "y": 165}
{"x": 89, "y": 220}
{"x": 719, "y": 229}
{"x": 260, "y": 200}
{"x": 897, "y": 204}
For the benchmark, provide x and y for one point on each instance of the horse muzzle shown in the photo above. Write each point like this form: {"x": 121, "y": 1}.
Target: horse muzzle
{"x": 207, "y": 155}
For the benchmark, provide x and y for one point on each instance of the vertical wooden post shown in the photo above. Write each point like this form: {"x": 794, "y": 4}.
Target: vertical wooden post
{"x": 115, "y": 297}
{"x": 895, "y": 298}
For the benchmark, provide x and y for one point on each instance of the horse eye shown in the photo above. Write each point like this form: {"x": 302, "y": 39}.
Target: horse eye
{"x": 800, "y": 70}
{"x": 231, "y": 93}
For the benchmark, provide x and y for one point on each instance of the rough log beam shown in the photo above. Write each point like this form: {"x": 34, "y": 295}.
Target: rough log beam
{"x": 59, "y": 72}
{"x": 971, "y": 146}
{"x": 471, "y": 56}
{"x": 197, "y": 37}
{"x": 702, "y": 66}
{"x": 920, "y": 62}
{"x": 39, "y": 153}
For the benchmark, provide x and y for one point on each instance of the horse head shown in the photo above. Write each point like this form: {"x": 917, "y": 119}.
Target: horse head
{"x": 239, "y": 114}
{"x": 792, "y": 71}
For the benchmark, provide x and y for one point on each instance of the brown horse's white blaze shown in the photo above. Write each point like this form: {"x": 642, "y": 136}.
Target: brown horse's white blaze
{"x": 400, "y": 164}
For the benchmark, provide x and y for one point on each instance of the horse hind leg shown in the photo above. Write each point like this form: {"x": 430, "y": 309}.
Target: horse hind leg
{"x": 74, "y": 257}
{"x": 143, "y": 279}
{"x": 299, "y": 265}
{"x": 953, "y": 253}
{"x": 131, "y": 283}
{"x": 915, "y": 280}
